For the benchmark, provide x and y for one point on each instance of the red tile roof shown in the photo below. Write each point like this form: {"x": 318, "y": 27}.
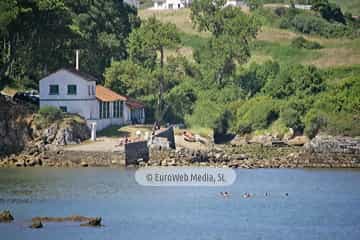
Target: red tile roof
{"x": 106, "y": 95}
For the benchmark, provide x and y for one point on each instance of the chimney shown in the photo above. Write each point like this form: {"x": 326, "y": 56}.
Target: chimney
{"x": 77, "y": 60}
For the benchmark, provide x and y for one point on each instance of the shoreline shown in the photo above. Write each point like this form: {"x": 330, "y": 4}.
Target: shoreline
{"x": 252, "y": 157}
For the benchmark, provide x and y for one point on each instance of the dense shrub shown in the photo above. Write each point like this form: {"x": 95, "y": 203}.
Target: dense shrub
{"x": 310, "y": 24}
{"x": 314, "y": 121}
{"x": 256, "y": 113}
{"x": 295, "y": 80}
{"x": 329, "y": 11}
{"x": 301, "y": 42}
{"x": 255, "y": 77}
{"x": 181, "y": 101}
{"x": 205, "y": 114}
{"x": 222, "y": 125}
{"x": 292, "y": 119}
{"x": 336, "y": 111}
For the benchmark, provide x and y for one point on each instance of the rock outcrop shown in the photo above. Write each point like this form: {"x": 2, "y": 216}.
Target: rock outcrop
{"x": 36, "y": 225}
{"x": 6, "y": 216}
{"x": 15, "y": 131}
{"x": 337, "y": 145}
{"x": 65, "y": 132}
{"x": 19, "y": 132}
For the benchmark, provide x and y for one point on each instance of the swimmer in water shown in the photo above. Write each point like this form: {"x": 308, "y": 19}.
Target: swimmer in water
{"x": 224, "y": 194}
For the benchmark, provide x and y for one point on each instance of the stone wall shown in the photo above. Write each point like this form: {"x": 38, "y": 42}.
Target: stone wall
{"x": 169, "y": 135}
{"x": 135, "y": 151}
{"x": 82, "y": 158}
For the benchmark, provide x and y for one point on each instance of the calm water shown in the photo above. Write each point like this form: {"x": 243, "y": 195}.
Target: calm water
{"x": 322, "y": 204}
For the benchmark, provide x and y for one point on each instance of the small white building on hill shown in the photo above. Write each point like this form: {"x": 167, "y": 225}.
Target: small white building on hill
{"x": 177, "y": 4}
{"x": 76, "y": 92}
{"x": 170, "y": 4}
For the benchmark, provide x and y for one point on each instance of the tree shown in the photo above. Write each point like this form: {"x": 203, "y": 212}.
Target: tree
{"x": 231, "y": 29}
{"x": 40, "y": 36}
{"x": 34, "y": 34}
{"x": 145, "y": 44}
{"x": 129, "y": 78}
{"x": 103, "y": 27}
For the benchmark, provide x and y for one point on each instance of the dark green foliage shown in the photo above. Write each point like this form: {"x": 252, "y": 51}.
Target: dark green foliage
{"x": 308, "y": 22}
{"x": 256, "y": 113}
{"x": 329, "y": 11}
{"x": 301, "y": 42}
{"x": 292, "y": 119}
{"x": 255, "y": 77}
{"x": 336, "y": 111}
{"x": 181, "y": 101}
{"x": 232, "y": 30}
{"x": 314, "y": 121}
{"x": 39, "y": 37}
{"x": 222, "y": 125}
{"x": 295, "y": 80}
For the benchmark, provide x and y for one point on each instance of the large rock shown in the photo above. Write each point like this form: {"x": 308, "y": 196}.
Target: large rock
{"x": 36, "y": 224}
{"x": 298, "y": 141}
{"x": 6, "y": 216}
{"x": 330, "y": 144}
{"x": 262, "y": 139}
{"x": 15, "y": 129}
{"x": 66, "y": 132}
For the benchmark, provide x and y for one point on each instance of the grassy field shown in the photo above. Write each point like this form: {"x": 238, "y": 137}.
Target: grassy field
{"x": 271, "y": 43}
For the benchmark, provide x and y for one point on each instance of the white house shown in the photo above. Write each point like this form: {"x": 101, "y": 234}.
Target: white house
{"x": 170, "y": 4}
{"x": 76, "y": 92}
{"x": 176, "y": 4}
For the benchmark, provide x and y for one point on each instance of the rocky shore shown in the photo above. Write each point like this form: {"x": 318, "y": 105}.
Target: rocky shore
{"x": 321, "y": 152}
{"x": 24, "y": 144}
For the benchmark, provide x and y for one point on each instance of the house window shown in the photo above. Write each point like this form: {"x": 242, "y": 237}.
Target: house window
{"x": 117, "y": 109}
{"x": 104, "y": 110}
{"x": 54, "y": 90}
{"x": 89, "y": 90}
{"x": 170, "y": 6}
{"x": 93, "y": 90}
{"x": 63, "y": 109}
{"x": 71, "y": 89}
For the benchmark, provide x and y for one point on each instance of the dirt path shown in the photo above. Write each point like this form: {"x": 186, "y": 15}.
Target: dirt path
{"x": 102, "y": 144}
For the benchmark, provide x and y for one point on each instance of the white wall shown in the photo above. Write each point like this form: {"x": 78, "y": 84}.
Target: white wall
{"x": 235, "y": 3}
{"x": 82, "y": 103}
{"x": 166, "y": 4}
